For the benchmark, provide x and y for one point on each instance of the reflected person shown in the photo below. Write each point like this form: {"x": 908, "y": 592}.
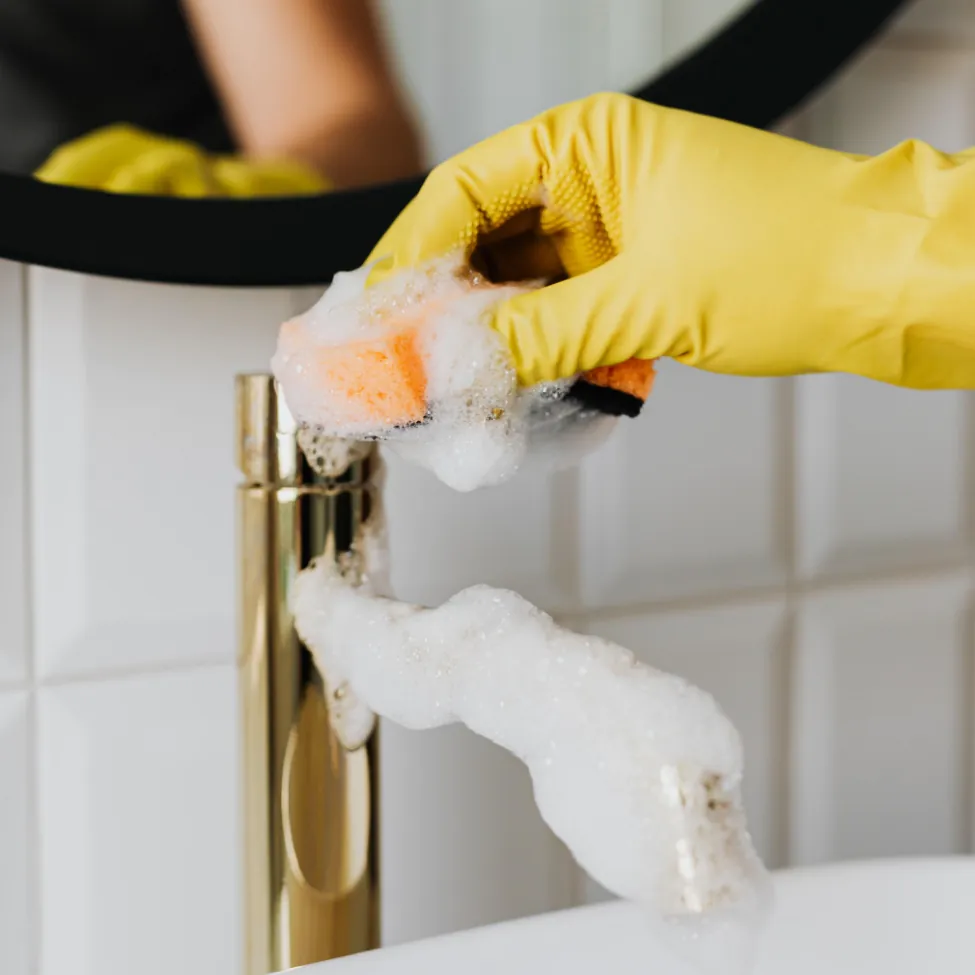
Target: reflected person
{"x": 143, "y": 95}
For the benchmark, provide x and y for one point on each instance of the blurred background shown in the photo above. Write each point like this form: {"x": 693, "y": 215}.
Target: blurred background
{"x": 357, "y": 92}
{"x": 803, "y": 549}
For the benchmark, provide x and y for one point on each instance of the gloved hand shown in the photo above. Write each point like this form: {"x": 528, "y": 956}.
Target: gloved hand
{"x": 724, "y": 247}
{"x": 123, "y": 159}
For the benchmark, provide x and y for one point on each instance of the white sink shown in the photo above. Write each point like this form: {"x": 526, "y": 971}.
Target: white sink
{"x": 897, "y": 917}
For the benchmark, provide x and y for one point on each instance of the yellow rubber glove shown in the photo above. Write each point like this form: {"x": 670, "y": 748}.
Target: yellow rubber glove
{"x": 123, "y": 159}
{"x": 724, "y": 247}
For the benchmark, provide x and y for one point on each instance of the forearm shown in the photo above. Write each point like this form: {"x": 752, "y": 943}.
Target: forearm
{"x": 372, "y": 145}
{"x": 308, "y": 80}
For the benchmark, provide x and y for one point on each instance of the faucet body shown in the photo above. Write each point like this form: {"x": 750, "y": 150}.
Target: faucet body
{"x": 310, "y": 792}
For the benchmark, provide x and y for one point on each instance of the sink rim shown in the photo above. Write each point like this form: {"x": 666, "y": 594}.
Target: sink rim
{"x": 621, "y": 917}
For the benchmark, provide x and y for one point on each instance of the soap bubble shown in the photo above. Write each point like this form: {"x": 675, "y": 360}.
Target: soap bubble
{"x": 411, "y": 362}
{"x": 637, "y": 771}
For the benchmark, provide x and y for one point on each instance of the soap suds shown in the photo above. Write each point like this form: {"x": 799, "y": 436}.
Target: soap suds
{"x": 637, "y": 771}
{"x": 329, "y": 456}
{"x": 412, "y": 362}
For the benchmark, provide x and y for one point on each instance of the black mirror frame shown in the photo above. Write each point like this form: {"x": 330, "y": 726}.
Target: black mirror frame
{"x": 757, "y": 70}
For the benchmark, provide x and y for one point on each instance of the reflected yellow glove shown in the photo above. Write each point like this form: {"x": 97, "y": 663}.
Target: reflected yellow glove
{"x": 123, "y": 159}
{"x": 724, "y": 247}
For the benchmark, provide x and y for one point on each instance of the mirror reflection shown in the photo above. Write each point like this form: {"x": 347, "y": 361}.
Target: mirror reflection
{"x": 250, "y": 98}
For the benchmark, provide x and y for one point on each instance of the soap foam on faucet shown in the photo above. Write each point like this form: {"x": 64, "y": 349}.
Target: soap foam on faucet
{"x": 412, "y": 362}
{"x": 637, "y": 771}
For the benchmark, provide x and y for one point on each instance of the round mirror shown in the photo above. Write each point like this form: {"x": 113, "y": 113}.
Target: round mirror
{"x": 270, "y": 142}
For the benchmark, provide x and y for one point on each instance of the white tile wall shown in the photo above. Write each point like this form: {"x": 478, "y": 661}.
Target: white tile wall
{"x": 651, "y": 533}
{"x": 17, "y": 837}
{"x": 462, "y": 843}
{"x": 139, "y": 841}
{"x": 804, "y": 550}
{"x": 882, "y": 477}
{"x": 881, "y": 726}
{"x": 131, "y": 416}
{"x": 513, "y": 536}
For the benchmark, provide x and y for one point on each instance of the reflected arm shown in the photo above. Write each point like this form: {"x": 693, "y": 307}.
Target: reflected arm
{"x": 309, "y": 81}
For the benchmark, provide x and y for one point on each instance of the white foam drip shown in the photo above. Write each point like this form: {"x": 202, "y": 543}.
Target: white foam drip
{"x": 480, "y": 426}
{"x": 637, "y": 771}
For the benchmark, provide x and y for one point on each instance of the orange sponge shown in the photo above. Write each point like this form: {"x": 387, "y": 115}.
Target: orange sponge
{"x": 367, "y": 370}
{"x": 619, "y": 390}
{"x": 382, "y": 379}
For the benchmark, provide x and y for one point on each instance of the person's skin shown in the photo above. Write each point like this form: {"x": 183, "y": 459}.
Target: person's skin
{"x": 309, "y": 81}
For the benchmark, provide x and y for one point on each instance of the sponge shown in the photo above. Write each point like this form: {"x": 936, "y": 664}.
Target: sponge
{"x": 383, "y": 380}
{"x": 412, "y": 361}
{"x": 619, "y": 390}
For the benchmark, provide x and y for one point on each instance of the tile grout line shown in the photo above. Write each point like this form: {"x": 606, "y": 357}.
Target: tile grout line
{"x": 566, "y": 550}
{"x": 133, "y": 673}
{"x": 722, "y": 598}
{"x": 788, "y": 591}
{"x": 34, "y": 892}
{"x": 783, "y": 710}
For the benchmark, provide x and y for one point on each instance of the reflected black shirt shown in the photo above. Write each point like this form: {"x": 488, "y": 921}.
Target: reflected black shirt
{"x": 70, "y": 66}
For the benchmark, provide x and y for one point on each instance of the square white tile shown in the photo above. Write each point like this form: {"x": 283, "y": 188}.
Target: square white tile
{"x": 139, "y": 829}
{"x": 881, "y": 693}
{"x": 463, "y": 844}
{"x": 17, "y": 923}
{"x": 691, "y": 496}
{"x": 882, "y": 476}
{"x": 133, "y": 470}
{"x": 513, "y": 536}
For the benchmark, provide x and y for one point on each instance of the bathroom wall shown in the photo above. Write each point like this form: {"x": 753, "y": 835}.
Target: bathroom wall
{"x": 803, "y": 549}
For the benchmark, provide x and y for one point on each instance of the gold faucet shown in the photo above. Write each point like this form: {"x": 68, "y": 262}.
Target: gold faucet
{"x": 310, "y": 824}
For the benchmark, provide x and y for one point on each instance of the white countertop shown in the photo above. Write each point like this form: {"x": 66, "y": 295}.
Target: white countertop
{"x": 902, "y": 917}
